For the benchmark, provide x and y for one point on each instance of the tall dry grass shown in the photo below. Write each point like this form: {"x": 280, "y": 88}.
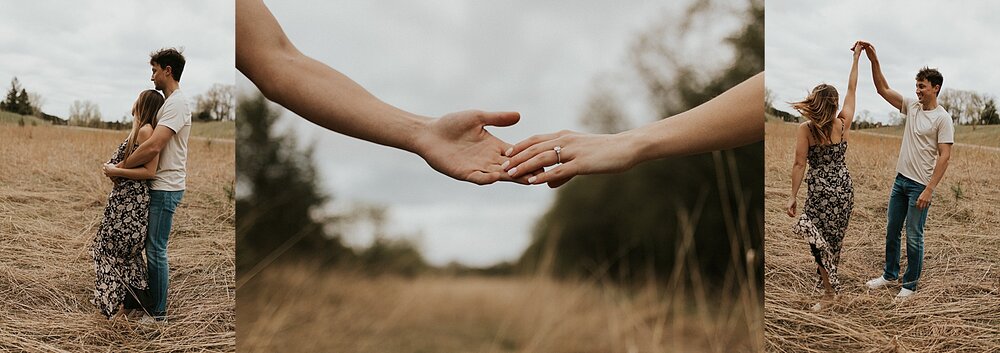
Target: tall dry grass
{"x": 52, "y": 197}
{"x": 957, "y": 305}
{"x": 304, "y": 308}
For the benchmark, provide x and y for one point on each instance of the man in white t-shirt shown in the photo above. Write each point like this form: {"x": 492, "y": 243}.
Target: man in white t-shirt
{"x": 169, "y": 140}
{"x": 923, "y": 158}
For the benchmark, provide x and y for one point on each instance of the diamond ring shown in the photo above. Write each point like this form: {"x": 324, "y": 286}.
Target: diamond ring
{"x": 558, "y": 149}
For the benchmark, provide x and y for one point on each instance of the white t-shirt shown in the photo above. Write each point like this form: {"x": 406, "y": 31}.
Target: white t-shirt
{"x": 923, "y": 130}
{"x": 176, "y": 115}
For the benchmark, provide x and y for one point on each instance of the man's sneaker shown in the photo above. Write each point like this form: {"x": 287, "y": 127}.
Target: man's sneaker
{"x": 877, "y": 283}
{"x": 149, "y": 320}
{"x": 904, "y": 293}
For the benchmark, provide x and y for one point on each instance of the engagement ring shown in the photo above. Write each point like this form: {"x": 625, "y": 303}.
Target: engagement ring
{"x": 558, "y": 157}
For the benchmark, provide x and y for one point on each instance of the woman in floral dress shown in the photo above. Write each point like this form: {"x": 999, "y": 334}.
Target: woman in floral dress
{"x": 821, "y": 141}
{"x": 118, "y": 246}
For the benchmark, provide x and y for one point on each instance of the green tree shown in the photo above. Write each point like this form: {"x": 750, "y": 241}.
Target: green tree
{"x": 277, "y": 196}
{"x": 989, "y": 114}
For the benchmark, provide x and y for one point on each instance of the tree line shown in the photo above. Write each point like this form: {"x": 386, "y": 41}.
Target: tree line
{"x": 216, "y": 104}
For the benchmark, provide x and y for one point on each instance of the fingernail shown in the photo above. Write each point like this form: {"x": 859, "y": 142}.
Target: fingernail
{"x": 508, "y": 151}
{"x": 505, "y": 164}
{"x": 531, "y": 180}
{"x": 512, "y": 171}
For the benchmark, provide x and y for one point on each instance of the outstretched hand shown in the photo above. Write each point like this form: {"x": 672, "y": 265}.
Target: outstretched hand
{"x": 866, "y": 46}
{"x": 578, "y": 154}
{"x": 459, "y": 146}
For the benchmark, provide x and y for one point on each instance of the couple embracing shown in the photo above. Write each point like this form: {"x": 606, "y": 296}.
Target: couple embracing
{"x": 148, "y": 171}
{"x": 821, "y": 142}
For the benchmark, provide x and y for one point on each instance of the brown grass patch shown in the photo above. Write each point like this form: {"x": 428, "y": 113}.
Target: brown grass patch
{"x": 957, "y": 306}
{"x": 52, "y": 196}
{"x": 303, "y": 309}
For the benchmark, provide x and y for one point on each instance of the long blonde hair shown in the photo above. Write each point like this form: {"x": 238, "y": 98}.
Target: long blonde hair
{"x": 820, "y": 108}
{"x": 143, "y": 112}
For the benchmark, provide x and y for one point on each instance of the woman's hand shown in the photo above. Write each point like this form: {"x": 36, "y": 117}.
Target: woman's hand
{"x": 578, "y": 154}
{"x": 110, "y": 171}
{"x": 791, "y": 208}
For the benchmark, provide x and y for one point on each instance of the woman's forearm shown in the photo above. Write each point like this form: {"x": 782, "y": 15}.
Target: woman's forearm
{"x": 798, "y": 171}
{"x": 734, "y": 118}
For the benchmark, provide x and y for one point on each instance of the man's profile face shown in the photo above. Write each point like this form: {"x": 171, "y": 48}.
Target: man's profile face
{"x": 159, "y": 76}
{"x": 926, "y": 91}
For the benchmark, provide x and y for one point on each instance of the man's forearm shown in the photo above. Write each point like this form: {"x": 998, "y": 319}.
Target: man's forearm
{"x": 140, "y": 156}
{"x": 939, "y": 168}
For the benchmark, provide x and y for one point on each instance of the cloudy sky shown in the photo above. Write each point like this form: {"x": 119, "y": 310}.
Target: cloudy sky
{"x": 99, "y": 50}
{"x": 540, "y": 58}
{"x": 808, "y": 43}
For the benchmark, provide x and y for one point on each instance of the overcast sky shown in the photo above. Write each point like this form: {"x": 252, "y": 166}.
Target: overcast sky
{"x": 99, "y": 50}
{"x": 434, "y": 57}
{"x": 808, "y": 43}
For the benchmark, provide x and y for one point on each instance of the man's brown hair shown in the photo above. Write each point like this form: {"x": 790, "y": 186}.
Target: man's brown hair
{"x": 169, "y": 57}
{"x": 932, "y": 76}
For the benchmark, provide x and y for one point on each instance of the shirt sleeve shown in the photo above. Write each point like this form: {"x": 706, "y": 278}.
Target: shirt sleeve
{"x": 905, "y": 107}
{"x": 173, "y": 116}
{"x": 946, "y": 132}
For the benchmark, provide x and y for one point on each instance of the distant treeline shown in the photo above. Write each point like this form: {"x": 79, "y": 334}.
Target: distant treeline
{"x": 216, "y": 104}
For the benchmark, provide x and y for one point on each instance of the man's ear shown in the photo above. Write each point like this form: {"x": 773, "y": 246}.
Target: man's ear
{"x": 169, "y": 71}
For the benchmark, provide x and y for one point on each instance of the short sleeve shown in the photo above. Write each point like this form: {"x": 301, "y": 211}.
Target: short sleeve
{"x": 905, "y": 107}
{"x": 173, "y": 116}
{"x": 946, "y": 132}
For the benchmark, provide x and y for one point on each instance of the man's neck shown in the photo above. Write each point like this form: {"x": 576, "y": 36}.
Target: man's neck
{"x": 930, "y": 104}
{"x": 170, "y": 88}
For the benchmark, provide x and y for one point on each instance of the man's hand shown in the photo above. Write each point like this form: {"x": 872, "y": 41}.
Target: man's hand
{"x": 459, "y": 146}
{"x": 924, "y": 200}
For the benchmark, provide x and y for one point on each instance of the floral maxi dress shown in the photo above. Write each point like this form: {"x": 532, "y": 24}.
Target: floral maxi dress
{"x": 828, "y": 207}
{"x": 120, "y": 240}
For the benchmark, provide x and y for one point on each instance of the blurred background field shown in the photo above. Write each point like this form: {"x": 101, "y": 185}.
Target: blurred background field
{"x": 52, "y": 198}
{"x": 956, "y": 307}
{"x": 665, "y": 257}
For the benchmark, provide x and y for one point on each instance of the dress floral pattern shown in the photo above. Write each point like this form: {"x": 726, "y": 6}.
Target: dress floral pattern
{"x": 120, "y": 241}
{"x": 828, "y": 207}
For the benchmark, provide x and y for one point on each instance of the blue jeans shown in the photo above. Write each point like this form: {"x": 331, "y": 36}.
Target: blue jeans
{"x": 903, "y": 209}
{"x": 161, "y": 215}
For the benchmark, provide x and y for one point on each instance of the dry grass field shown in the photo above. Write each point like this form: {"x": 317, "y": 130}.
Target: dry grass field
{"x": 985, "y": 135}
{"x": 303, "y": 309}
{"x": 52, "y": 196}
{"x": 956, "y": 307}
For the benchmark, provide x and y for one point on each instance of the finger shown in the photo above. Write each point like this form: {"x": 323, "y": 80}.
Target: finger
{"x": 523, "y": 179}
{"x": 539, "y": 161}
{"x": 559, "y": 172}
{"x": 499, "y": 118}
{"x": 536, "y": 149}
{"x": 528, "y": 142}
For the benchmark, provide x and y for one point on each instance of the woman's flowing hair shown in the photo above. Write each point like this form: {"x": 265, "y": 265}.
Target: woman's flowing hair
{"x": 143, "y": 112}
{"x": 820, "y": 108}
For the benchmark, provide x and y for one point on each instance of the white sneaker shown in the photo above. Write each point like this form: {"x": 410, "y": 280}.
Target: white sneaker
{"x": 149, "y": 320}
{"x": 904, "y": 293}
{"x": 877, "y": 283}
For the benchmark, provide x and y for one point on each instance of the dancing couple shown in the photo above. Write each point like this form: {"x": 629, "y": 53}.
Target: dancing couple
{"x": 821, "y": 142}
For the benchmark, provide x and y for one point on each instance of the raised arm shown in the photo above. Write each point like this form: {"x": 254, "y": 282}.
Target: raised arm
{"x": 847, "y": 112}
{"x": 881, "y": 85}
{"x": 145, "y": 171}
{"x": 456, "y": 145}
